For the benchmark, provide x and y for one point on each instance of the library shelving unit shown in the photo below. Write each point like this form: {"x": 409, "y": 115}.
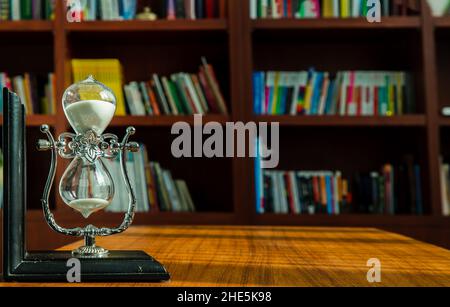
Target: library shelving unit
{"x": 223, "y": 189}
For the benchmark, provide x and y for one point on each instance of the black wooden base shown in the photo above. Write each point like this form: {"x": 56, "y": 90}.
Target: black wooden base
{"x": 117, "y": 266}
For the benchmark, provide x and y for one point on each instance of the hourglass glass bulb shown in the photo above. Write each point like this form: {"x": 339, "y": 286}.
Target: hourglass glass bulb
{"x": 89, "y": 105}
{"x": 86, "y": 187}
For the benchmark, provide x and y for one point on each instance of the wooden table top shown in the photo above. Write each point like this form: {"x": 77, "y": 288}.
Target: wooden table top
{"x": 281, "y": 256}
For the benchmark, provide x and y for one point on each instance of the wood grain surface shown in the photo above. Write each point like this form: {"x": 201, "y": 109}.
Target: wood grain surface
{"x": 280, "y": 256}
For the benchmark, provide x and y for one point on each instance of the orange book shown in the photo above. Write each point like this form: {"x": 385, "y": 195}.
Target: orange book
{"x": 323, "y": 191}
{"x": 152, "y": 97}
{"x": 223, "y": 9}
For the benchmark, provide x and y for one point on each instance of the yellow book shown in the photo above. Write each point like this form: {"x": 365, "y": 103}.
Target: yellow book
{"x": 27, "y": 88}
{"x": 308, "y": 94}
{"x": 107, "y": 71}
{"x": 328, "y": 8}
{"x": 275, "y": 93}
{"x": 345, "y": 8}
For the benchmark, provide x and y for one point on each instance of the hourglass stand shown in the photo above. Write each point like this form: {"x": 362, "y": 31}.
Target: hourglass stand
{"x": 91, "y": 147}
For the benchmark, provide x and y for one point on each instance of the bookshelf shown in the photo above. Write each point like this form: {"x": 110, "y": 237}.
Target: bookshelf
{"x": 223, "y": 189}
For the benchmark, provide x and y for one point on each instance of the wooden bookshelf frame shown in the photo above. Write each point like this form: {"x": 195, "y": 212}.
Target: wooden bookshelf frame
{"x": 239, "y": 28}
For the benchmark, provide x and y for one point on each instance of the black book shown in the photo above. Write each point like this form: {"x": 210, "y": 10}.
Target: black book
{"x": 180, "y": 11}
{"x": 267, "y": 190}
{"x": 200, "y": 9}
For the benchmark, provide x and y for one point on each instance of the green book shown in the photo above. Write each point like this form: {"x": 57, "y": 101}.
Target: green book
{"x": 176, "y": 98}
{"x": 26, "y": 12}
{"x": 178, "y": 82}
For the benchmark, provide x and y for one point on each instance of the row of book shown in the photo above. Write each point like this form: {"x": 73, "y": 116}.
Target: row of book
{"x": 194, "y": 9}
{"x": 37, "y": 91}
{"x": 395, "y": 189}
{"x": 299, "y": 9}
{"x": 181, "y": 93}
{"x": 164, "y": 9}
{"x": 27, "y": 9}
{"x": 284, "y": 192}
{"x": 313, "y": 92}
{"x": 445, "y": 187}
{"x": 155, "y": 188}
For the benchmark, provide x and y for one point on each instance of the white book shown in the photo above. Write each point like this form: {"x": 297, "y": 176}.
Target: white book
{"x": 115, "y": 12}
{"x": 141, "y": 181}
{"x": 283, "y": 201}
{"x": 15, "y": 10}
{"x": 129, "y": 97}
{"x": 138, "y": 101}
{"x": 275, "y": 14}
{"x": 264, "y": 8}
{"x": 186, "y": 195}
{"x": 253, "y": 9}
{"x": 356, "y": 8}
{"x": 336, "y": 8}
{"x": 171, "y": 189}
{"x": 19, "y": 86}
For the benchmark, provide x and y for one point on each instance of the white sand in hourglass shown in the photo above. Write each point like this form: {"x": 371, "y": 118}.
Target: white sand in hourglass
{"x": 88, "y": 206}
{"x": 90, "y": 114}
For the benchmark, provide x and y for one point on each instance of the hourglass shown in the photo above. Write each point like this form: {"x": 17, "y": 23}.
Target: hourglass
{"x": 86, "y": 185}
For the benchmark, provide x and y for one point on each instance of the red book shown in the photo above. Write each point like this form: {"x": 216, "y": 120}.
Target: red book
{"x": 223, "y": 9}
{"x": 376, "y": 104}
{"x": 210, "y": 8}
{"x": 316, "y": 193}
{"x": 208, "y": 92}
{"x": 289, "y": 9}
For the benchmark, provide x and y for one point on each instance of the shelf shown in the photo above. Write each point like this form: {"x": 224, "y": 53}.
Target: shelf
{"x": 154, "y": 218}
{"x": 337, "y": 23}
{"x": 36, "y": 120}
{"x": 158, "y": 25}
{"x": 26, "y": 26}
{"x": 163, "y": 121}
{"x": 442, "y": 22}
{"x": 352, "y": 220}
{"x": 344, "y": 121}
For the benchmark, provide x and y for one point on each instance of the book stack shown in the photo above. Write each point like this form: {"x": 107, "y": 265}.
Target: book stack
{"x": 178, "y": 94}
{"x": 355, "y": 93}
{"x": 302, "y": 192}
{"x": 107, "y": 71}
{"x": 27, "y": 9}
{"x": 154, "y": 187}
{"x": 194, "y": 9}
{"x": 90, "y": 10}
{"x": 395, "y": 189}
{"x": 445, "y": 187}
{"x": 164, "y": 9}
{"x": 300, "y": 9}
{"x": 36, "y": 91}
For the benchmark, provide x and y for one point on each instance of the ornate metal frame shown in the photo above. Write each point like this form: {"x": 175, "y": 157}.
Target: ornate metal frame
{"x": 91, "y": 147}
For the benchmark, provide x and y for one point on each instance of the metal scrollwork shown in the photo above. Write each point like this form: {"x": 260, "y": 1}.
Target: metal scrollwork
{"x": 90, "y": 146}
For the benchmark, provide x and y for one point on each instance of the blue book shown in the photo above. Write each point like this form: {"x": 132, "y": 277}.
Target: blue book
{"x": 419, "y": 204}
{"x": 330, "y": 94}
{"x": 127, "y": 9}
{"x": 317, "y": 89}
{"x": 258, "y": 80}
{"x": 329, "y": 194}
{"x": 258, "y": 179}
